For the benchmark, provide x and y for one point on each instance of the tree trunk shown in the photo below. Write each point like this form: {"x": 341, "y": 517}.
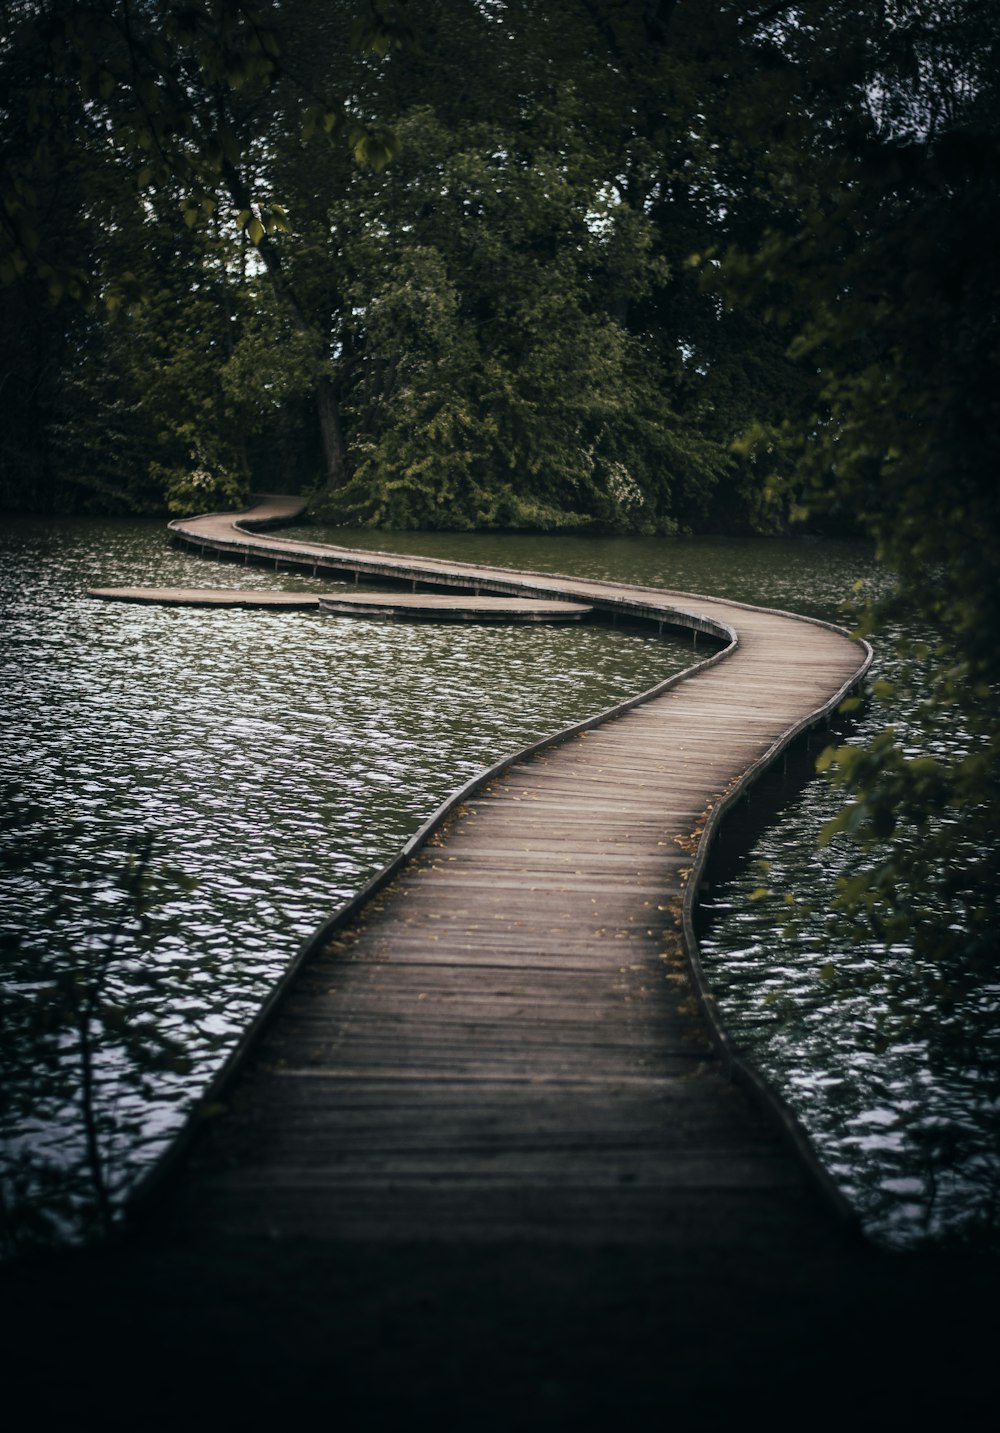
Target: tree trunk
{"x": 334, "y": 449}
{"x": 327, "y": 408}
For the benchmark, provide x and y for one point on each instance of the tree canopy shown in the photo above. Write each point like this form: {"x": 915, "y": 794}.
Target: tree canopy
{"x": 885, "y": 243}
{"x": 216, "y": 263}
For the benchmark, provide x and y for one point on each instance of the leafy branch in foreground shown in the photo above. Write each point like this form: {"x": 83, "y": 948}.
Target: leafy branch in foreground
{"x": 75, "y": 1047}
{"x": 883, "y": 261}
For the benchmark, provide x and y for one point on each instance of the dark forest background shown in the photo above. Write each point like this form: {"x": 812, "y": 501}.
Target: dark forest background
{"x": 629, "y": 267}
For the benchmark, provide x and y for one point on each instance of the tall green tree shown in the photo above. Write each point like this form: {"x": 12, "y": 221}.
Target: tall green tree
{"x": 111, "y": 106}
{"x": 493, "y": 386}
{"x": 886, "y": 247}
{"x": 542, "y": 385}
{"x": 501, "y": 328}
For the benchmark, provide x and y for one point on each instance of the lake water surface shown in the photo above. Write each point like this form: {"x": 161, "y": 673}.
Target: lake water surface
{"x": 278, "y": 759}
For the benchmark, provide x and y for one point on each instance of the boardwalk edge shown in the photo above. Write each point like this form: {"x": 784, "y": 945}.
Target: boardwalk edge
{"x": 735, "y": 1065}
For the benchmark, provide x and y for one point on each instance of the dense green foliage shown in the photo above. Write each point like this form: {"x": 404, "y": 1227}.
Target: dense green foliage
{"x": 885, "y": 245}
{"x": 498, "y": 328}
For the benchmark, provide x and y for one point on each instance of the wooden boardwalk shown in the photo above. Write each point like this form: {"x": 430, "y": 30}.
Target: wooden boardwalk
{"x": 377, "y": 606}
{"x": 207, "y": 597}
{"x": 528, "y": 1195}
{"x": 450, "y": 607}
{"x": 507, "y": 1036}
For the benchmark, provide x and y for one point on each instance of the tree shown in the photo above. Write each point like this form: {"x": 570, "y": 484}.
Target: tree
{"x": 502, "y": 327}
{"x": 492, "y": 387}
{"x": 887, "y": 247}
{"x": 535, "y": 387}
{"x": 125, "y": 106}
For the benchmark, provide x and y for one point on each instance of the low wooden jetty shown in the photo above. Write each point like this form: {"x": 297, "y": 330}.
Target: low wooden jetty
{"x": 508, "y": 1034}
{"x": 377, "y": 606}
{"x": 207, "y": 597}
{"x": 440, "y": 607}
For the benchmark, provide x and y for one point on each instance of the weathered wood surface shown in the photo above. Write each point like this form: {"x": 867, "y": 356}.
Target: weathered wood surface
{"x": 438, "y": 607}
{"x": 376, "y": 605}
{"x": 505, "y": 1041}
{"x": 207, "y": 597}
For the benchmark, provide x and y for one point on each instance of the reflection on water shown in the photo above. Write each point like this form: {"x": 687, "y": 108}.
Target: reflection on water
{"x": 277, "y": 759}
{"x": 893, "y": 1063}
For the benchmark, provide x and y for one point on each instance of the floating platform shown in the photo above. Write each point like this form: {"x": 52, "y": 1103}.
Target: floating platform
{"x": 440, "y": 607}
{"x": 207, "y": 597}
{"x": 379, "y": 606}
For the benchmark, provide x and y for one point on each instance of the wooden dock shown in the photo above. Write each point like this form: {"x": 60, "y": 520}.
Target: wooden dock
{"x": 450, "y": 607}
{"x": 377, "y": 606}
{"x": 208, "y": 597}
{"x": 508, "y": 1034}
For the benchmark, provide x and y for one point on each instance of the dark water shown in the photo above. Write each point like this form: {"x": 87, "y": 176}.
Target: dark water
{"x": 893, "y": 1063}
{"x": 278, "y": 759}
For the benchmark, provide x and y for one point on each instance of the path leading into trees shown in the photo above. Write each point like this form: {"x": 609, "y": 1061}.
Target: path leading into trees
{"x": 480, "y": 1165}
{"x": 508, "y": 1038}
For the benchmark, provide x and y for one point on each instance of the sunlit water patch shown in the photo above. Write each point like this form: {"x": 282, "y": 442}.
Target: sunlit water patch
{"x": 276, "y": 759}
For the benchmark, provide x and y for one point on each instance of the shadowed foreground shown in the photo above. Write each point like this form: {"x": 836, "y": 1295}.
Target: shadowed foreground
{"x": 244, "y": 1333}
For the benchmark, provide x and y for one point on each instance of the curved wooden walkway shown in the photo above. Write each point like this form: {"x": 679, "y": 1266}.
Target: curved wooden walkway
{"x": 505, "y": 1036}
{"x": 529, "y": 1196}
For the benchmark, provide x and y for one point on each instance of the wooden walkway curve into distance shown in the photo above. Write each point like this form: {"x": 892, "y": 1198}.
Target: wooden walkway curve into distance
{"x": 507, "y": 1034}
{"x": 488, "y": 1158}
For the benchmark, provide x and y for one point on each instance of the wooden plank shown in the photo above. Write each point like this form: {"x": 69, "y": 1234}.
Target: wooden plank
{"x": 416, "y": 605}
{"x": 503, "y": 1041}
{"x": 207, "y": 597}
